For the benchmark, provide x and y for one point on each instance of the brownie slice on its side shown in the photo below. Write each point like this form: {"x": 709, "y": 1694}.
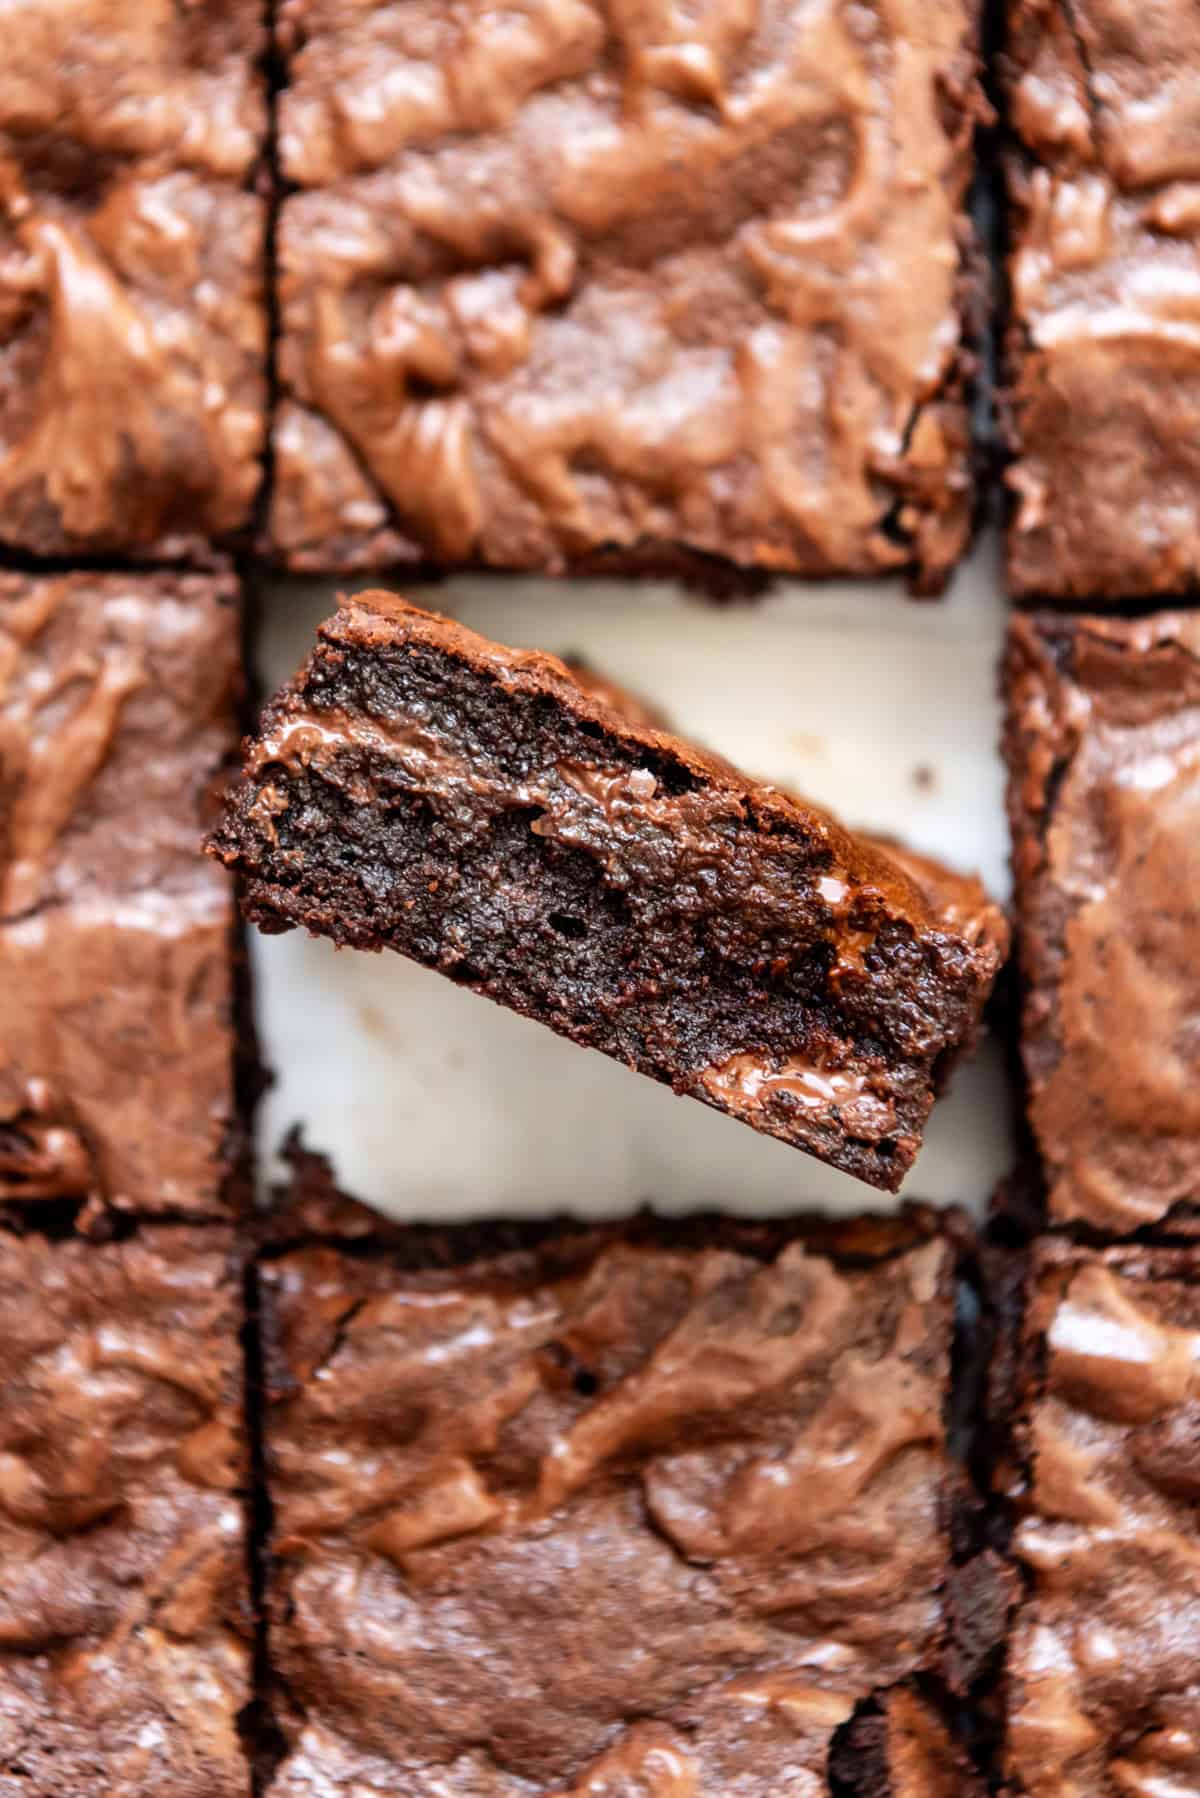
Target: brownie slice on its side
{"x": 657, "y": 1509}
{"x": 133, "y": 317}
{"x": 1103, "y": 1679}
{"x": 124, "y": 1658}
{"x": 484, "y": 812}
{"x": 1103, "y": 748}
{"x": 117, "y": 702}
{"x": 562, "y": 286}
{"x": 1103, "y": 352}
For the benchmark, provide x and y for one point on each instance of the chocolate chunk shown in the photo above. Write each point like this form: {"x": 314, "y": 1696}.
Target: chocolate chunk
{"x": 1104, "y": 354}
{"x": 116, "y": 934}
{"x": 1103, "y": 748}
{"x": 419, "y": 788}
{"x": 132, "y": 263}
{"x": 664, "y": 287}
{"x": 692, "y": 1572}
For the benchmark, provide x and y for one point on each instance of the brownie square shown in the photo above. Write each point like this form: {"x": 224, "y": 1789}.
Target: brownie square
{"x": 1103, "y": 348}
{"x": 132, "y": 266}
{"x": 556, "y": 284}
{"x": 1103, "y": 749}
{"x": 649, "y": 1509}
{"x": 1103, "y": 1692}
{"x": 519, "y": 827}
{"x": 123, "y": 1599}
{"x": 117, "y": 702}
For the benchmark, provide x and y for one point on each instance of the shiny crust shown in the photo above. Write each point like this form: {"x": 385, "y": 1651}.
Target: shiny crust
{"x": 1103, "y": 749}
{"x": 582, "y": 1428}
{"x": 117, "y": 698}
{"x": 1104, "y": 347}
{"x": 494, "y": 351}
{"x": 1102, "y": 1695}
{"x": 132, "y": 270}
{"x": 123, "y": 1643}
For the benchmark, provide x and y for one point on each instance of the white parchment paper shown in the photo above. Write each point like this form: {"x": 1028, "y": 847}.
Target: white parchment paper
{"x": 433, "y": 1102}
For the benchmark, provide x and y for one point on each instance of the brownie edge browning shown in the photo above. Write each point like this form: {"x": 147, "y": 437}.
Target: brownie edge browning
{"x": 478, "y": 809}
{"x": 653, "y": 1509}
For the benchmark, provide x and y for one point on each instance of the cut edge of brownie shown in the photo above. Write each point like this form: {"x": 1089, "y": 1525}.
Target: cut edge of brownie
{"x": 495, "y": 849}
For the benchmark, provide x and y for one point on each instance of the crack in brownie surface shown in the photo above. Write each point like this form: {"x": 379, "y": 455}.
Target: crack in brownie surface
{"x": 132, "y": 311}
{"x": 123, "y": 1657}
{"x": 573, "y": 277}
{"x": 482, "y": 811}
{"x": 116, "y": 715}
{"x": 613, "y": 1514}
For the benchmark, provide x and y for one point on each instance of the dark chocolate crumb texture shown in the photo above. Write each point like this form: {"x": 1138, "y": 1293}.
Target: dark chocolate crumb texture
{"x": 489, "y": 814}
{"x": 651, "y": 281}
{"x": 117, "y": 697}
{"x": 124, "y": 1626}
{"x": 1103, "y": 1693}
{"x": 663, "y": 1511}
{"x": 1103, "y": 749}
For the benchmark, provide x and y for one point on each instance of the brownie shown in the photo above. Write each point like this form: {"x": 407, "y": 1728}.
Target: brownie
{"x": 659, "y": 288}
{"x": 648, "y": 1509}
{"x": 1103, "y": 1695}
{"x": 1103, "y": 748}
{"x": 485, "y": 812}
{"x": 132, "y": 272}
{"x": 1104, "y": 353}
{"x": 123, "y": 1604}
{"x": 117, "y": 702}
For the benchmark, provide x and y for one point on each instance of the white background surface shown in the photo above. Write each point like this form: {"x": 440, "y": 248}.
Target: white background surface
{"x": 433, "y": 1102}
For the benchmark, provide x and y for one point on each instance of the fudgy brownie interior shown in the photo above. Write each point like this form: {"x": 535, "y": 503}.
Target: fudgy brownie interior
{"x": 480, "y": 810}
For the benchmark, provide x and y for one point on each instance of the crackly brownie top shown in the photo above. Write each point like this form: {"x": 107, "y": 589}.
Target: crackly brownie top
{"x": 565, "y": 277}
{"x": 123, "y": 1663}
{"x": 116, "y": 715}
{"x": 1103, "y": 98}
{"x": 1104, "y": 1695}
{"x": 1104, "y": 748}
{"x": 131, "y": 320}
{"x": 618, "y": 1508}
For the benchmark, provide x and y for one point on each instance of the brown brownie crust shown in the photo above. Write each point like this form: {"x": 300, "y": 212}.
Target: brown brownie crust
{"x": 652, "y": 1508}
{"x": 1103, "y": 1699}
{"x": 1104, "y": 351}
{"x": 557, "y": 282}
{"x": 116, "y": 936}
{"x": 476, "y": 808}
{"x": 1103, "y": 748}
{"x": 123, "y": 1604}
{"x": 132, "y": 260}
